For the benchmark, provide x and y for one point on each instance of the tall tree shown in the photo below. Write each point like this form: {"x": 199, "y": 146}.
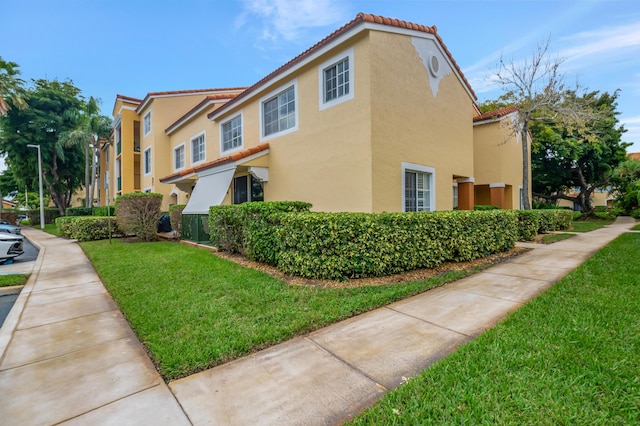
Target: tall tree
{"x": 537, "y": 87}
{"x": 581, "y": 159}
{"x": 89, "y": 127}
{"x": 626, "y": 186}
{"x": 41, "y": 124}
{"x": 11, "y": 87}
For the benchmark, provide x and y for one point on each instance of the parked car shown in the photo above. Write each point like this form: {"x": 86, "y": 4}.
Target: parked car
{"x": 10, "y": 246}
{"x": 4, "y": 222}
{"x": 10, "y": 229}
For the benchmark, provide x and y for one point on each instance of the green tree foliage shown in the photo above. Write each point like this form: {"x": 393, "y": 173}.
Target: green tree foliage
{"x": 626, "y": 185}
{"x": 42, "y": 124}
{"x": 12, "y": 90}
{"x": 567, "y": 158}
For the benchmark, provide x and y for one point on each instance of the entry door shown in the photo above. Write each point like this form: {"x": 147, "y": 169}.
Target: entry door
{"x": 240, "y": 190}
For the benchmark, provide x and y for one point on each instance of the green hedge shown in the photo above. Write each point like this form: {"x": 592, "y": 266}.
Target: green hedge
{"x": 486, "y": 207}
{"x": 250, "y": 228}
{"x": 553, "y": 220}
{"x": 352, "y": 245}
{"x": 527, "y": 224}
{"x": 104, "y": 211}
{"x": 87, "y": 228}
{"x": 80, "y": 211}
{"x": 50, "y": 215}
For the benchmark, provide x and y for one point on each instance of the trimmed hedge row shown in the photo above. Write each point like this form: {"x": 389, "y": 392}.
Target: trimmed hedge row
{"x": 340, "y": 246}
{"x": 250, "y": 228}
{"x": 87, "y": 228}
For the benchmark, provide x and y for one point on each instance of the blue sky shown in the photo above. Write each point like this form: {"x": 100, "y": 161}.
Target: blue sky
{"x": 134, "y": 47}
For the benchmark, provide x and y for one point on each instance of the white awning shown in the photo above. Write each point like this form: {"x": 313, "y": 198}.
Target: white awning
{"x": 209, "y": 191}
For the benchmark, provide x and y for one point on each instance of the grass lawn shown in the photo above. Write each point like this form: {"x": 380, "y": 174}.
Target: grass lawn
{"x": 570, "y": 356}
{"x": 50, "y": 228}
{"x": 588, "y": 225}
{"x": 193, "y": 310}
{"x": 553, "y": 238}
{"x": 636, "y": 228}
{"x": 8, "y": 280}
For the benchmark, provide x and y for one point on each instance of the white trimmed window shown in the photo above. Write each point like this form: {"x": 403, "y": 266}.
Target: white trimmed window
{"x": 147, "y": 161}
{"x": 279, "y": 112}
{"x": 418, "y": 188}
{"x": 198, "y": 149}
{"x": 455, "y": 195}
{"x": 178, "y": 157}
{"x": 147, "y": 123}
{"x": 335, "y": 80}
{"x": 232, "y": 134}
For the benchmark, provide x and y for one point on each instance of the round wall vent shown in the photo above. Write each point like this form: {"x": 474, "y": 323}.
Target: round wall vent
{"x": 434, "y": 65}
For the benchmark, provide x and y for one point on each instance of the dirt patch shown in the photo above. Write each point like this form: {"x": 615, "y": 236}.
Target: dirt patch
{"x": 415, "y": 275}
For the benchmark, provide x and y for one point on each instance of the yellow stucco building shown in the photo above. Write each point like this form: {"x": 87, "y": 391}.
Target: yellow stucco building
{"x": 375, "y": 117}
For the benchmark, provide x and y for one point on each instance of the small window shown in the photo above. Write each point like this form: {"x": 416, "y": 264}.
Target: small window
{"x": 198, "y": 149}
{"x": 419, "y": 194}
{"x": 147, "y": 123}
{"x": 147, "y": 161}
{"x": 178, "y": 157}
{"x": 232, "y": 134}
{"x": 455, "y": 195}
{"x": 247, "y": 188}
{"x": 335, "y": 80}
{"x": 279, "y": 112}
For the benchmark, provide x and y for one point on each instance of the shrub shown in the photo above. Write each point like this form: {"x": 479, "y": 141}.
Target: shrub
{"x": 635, "y": 213}
{"x": 553, "y": 220}
{"x": 486, "y": 207}
{"x": 175, "y": 215}
{"x": 90, "y": 228}
{"x": 11, "y": 215}
{"x": 577, "y": 216}
{"x": 63, "y": 223}
{"x": 352, "y": 245}
{"x": 104, "y": 211}
{"x": 137, "y": 213}
{"x": 248, "y": 228}
{"x": 527, "y": 224}
{"x": 50, "y": 215}
{"x": 80, "y": 211}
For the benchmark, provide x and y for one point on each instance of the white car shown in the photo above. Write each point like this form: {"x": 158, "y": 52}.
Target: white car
{"x": 10, "y": 246}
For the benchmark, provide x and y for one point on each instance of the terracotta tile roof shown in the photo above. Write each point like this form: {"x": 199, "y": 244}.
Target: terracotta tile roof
{"x": 236, "y": 156}
{"x": 208, "y": 100}
{"x": 359, "y": 19}
{"x": 151, "y": 95}
{"x": 634, "y": 155}
{"x": 495, "y": 114}
{"x": 124, "y": 99}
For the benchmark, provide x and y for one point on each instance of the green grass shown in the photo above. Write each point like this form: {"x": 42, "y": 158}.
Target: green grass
{"x": 589, "y": 224}
{"x": 553, "y": 238}
{"x": 8, "y": 280}
{"x": 193, "y": 310}
{"x": 570, "y": 356}
{"x": 636, "y": 228}
{"x": 50, "y": 228}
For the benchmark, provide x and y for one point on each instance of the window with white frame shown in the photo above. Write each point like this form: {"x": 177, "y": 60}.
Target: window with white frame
{"x": 147, "y": 161}
{"x": 335, "y": 80}
{"x": 147, "y": 123}
{"x": 178, "y": 157}
{"x": 455, "y": 195}
{"x": 232, "y": 134}
{"x": 198, "y": 149}
{"x": 419, "y": 193}
{"x": 279, "y": 112}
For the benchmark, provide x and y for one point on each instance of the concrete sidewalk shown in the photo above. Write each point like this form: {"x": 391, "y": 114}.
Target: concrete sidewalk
{"x": 68, "y": 356}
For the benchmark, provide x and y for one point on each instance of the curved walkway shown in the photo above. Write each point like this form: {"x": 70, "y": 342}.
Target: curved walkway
{"x": 67, "y": 355}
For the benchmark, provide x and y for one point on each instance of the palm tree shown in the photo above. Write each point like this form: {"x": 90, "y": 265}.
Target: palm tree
{"x": 90, "y": 128}
{"x": 11, "y": 87}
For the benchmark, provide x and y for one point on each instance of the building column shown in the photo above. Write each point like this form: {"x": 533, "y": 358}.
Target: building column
{"x": 497, "y": 194}
{"x": 466, "y": 194}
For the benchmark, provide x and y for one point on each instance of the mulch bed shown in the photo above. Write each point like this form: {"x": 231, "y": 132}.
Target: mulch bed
{"x": 415, "y": 275}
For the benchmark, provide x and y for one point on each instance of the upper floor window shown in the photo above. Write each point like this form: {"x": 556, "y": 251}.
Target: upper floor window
{"x": 147, "y": 161}
{"x": 147, "y": 123}
{"x": 198, "y": 149}
{"x": 279, "y": 112}
{"x": 336, "y": 80}
{"x": 178, "y": 157}
{"x": 232, "y": 134}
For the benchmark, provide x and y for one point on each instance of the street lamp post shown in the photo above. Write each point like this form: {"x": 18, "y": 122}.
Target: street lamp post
{"x": 40, "y": 184}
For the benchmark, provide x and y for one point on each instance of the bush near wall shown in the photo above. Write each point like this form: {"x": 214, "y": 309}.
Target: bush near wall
{"x": 104, "y": 211}
{"x": 527, "y": 224}
{"x": 80, "y": 211}
{"x": 250, "y": 228}
{"x": 339, "y": 246}
{"x": 175, "y": 215}
{"x": 137, "y": 214}
{"x": 11, "y": 215}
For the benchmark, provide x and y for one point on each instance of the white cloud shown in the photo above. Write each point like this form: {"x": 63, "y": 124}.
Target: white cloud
{"x": 286, "y": 19}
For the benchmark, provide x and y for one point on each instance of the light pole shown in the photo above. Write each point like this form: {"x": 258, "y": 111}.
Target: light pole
{"x": 40, "y": 183}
